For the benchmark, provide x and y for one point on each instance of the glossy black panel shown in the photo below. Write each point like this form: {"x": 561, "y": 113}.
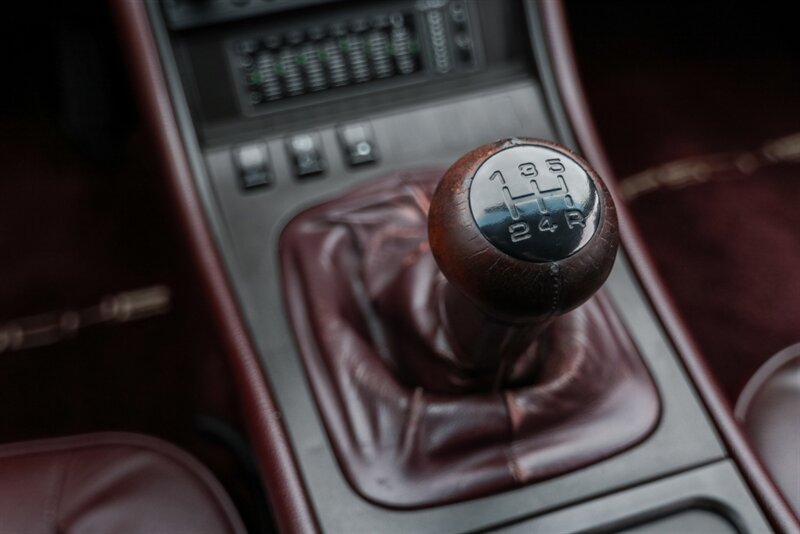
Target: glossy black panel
{"x": 535, "y": 203}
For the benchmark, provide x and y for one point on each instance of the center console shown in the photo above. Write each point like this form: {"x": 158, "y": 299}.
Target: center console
{"x": 303, "y": 118}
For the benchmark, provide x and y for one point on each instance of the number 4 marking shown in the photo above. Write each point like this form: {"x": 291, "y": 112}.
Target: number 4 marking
{"x": 546, "y": 226}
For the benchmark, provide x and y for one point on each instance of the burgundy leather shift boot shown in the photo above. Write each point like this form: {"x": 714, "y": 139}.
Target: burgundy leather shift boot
{"x": 411, "y": 423}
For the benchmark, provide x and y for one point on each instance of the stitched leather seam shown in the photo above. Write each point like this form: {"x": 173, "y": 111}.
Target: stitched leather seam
{"x": 555, "y": 273}
{"x": 701, "y": 169}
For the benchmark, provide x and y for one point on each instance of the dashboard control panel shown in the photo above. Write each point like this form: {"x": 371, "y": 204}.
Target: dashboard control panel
{"x": 391, "y": 41}
{"x": 292, "y": 66}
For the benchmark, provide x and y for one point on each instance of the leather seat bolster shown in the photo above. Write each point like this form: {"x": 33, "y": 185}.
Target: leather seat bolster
{"x": 109, "y": 482}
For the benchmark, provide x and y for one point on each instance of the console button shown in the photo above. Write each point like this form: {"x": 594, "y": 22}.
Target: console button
{"x": 305, "y": 151}
{"x": 463, "y": 43}
{"x": 458, "y": 14}
{"x": 252, "y": 165}
{"x": 358, "y": 143}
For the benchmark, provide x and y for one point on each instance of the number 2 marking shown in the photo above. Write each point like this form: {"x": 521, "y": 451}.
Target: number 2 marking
{"x": 519, "y": 231}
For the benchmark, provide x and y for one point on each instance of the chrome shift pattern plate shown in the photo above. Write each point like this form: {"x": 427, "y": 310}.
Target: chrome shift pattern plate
{"x": 535, "y": 203}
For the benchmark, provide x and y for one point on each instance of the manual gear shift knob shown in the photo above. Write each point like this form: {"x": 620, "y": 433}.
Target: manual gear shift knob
{"x": 524, "y": 228}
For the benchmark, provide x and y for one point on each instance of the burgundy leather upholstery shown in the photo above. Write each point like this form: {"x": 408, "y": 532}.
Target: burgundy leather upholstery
{"x": 362, "y": 291}
{"x": 769, "y": 409}
{"x": 100, "y": 483}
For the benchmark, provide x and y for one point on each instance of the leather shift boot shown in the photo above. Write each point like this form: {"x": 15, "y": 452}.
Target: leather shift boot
{"x": 412, "y": 422}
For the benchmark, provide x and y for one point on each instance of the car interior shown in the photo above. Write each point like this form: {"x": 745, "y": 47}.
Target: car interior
{"x": 400, "y": 266}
